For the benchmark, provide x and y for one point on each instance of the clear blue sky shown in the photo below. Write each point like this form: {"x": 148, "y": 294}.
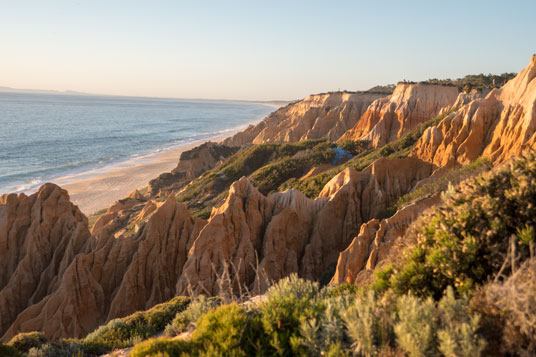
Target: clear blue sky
{"x": 256, "y": 49}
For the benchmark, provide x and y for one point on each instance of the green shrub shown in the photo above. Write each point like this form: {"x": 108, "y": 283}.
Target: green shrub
{"x": 189, "y": 316}
{"x": 8, "y": 351}
{"x": 23, "y": 342}
{"x": 458, "y": 333}
{"x": 219, "y": 331}
{"x": 288, "y": 304}
{"x": 341, "y": 290}
{"x": 125, "y": 332}
{"x": 386, "y": 150}
{"x": 325, "y": 332}
{"x": 368, "y": 324}
{"x": 67, "y": 348}
{"x": 163, "y": 347}
{"x": 354, "y": 147}
{"x": 416, "y": 327}
{"x": 462, "y": 243}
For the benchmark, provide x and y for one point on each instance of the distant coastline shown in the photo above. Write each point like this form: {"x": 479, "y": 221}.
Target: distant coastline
{"x": 273, "y": 103}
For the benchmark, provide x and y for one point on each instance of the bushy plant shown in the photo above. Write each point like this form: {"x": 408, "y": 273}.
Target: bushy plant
{"x": 368, "y": 324}
{"x": 416, "y": 327}
{"x": 23, "y": 342}
{"x": 219, "y": 331}
{"x": 354, "y": 147}
{"x": 464, "y": 242}
{"x": 57, "y": 349}
{"x": 288, "y": 303}
{"x": 163, "y": 347}
{"x": 193, "y": 312}
{"x": 458, "y": 329}
{"x": 125, "y": 332}
{"x": 325, "y": 332}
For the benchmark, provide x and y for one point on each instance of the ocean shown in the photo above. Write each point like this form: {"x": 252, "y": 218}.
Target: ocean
{"x": 47, "y": 136}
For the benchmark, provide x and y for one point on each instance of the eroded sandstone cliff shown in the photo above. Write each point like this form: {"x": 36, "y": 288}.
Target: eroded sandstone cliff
{"x": 498, "y": 126}
{"x": 374, "y": 241}
{"x": 40, "y": 235}
{"x": 388, "y": 118}
{"x": 317, "y": 116}
{"x": 260, "y": 237}
{"x": 112, "y": 275}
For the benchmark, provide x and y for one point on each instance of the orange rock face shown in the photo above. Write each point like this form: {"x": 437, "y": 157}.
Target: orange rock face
{"x": 317, "y": 116}
{"x": 387, "y": 119}
{"x": 40, "y": 236}
{"x": 204, "y": 157}
{"x": 90, "y": 279}
{"x": 498, "y": 126}
{"x": 375, "y": 239}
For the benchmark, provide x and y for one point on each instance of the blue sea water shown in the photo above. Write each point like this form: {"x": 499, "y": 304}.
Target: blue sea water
{"x": 46, "y": 136}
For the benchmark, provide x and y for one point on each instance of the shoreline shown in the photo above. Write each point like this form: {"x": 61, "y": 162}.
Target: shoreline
{"x": 98, "y": 191}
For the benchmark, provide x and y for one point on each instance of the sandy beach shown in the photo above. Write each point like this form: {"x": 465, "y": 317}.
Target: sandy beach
{"x": 95, "y": 190}
{"x": 100, "y": 190}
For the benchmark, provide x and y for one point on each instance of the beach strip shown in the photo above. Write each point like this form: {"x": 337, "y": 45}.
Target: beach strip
{"x": 100, "y": 190}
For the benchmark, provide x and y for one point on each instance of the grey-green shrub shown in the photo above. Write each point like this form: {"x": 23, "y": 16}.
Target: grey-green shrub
{"x": 458, "y": 333}
{"x": 360, "y": 322}
{"x": 320, "y": 334}
{"x": 193, "y": 312}
{"x": 416, "y": 327}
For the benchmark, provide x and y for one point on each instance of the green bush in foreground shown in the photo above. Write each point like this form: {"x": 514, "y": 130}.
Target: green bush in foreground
{"x": 299, "y": 319}
{"x": 162, "y": 347}
{"x": 219, "y": 331}
{"x": 464, "y": 242}
{"x": 190, "y": 315}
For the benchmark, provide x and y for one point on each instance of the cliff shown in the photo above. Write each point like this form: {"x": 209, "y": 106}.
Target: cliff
{"x": 116, "y": 272}
{"x": 317, "y": 116}
{"x": 40, "y": 236}
{"x": 258, "y": 237}
{"x": 498, "y": 126}
{"x": 375, "y": 240}
{"x": 388, "y": 118}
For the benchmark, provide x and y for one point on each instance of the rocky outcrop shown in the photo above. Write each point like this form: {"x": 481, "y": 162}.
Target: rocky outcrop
{"x": 375, "y": 239}
{"x": 119, "y": 275}
{"x": 253, "y": 238}
{"x": 498, "y": 126}
{"x": 40, "y": 235}
{"x": 194, "y": 162}
{"x": 388, "y": 118}
{"x": 318, "y": 116}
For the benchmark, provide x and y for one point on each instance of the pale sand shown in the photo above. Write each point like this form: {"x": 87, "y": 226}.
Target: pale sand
{"x": 97, "y": 192}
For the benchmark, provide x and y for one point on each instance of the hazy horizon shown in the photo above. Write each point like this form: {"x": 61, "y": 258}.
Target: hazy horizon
{"x": 257, "y": 52}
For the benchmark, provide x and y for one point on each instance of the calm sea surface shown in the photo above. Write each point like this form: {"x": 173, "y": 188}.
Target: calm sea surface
{"x": 45, "y": 136}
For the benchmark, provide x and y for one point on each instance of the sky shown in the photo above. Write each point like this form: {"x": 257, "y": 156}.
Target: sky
{"x": 256, "y": 50}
